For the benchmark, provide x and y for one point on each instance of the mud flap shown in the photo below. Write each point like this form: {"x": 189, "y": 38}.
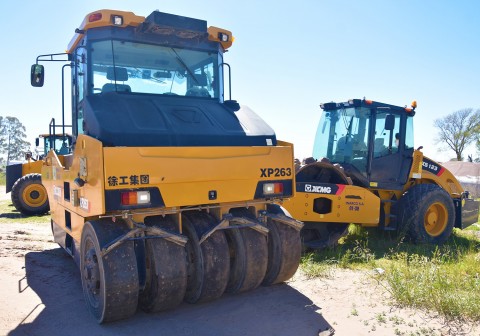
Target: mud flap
{"x": 467, "y": 212}
{"x": 14, "y": 172}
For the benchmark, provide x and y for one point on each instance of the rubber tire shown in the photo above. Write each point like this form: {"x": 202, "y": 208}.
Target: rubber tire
{"x": 166, "y": 281}
{"x": 118, "y": 275}
{"x": 248, "y": 256}
{"x": 412, "y": 208}
{"x": 33, "y": 181}
{"x": 207, "y": 264}
{"x": 284, "y": 250}
{"x": 330, "y": 232}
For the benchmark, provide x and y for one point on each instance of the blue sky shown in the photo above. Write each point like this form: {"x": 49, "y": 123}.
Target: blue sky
{"x": 286, "y": 60}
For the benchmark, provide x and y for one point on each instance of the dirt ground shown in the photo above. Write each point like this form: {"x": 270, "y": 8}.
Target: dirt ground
{"x": 41, "y": 294}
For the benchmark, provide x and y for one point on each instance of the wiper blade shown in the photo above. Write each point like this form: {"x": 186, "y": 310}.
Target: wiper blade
{"x": 349, "y": 130}
{"x": 182, "y": 63}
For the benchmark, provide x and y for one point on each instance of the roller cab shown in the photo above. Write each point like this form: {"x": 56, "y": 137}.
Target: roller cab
{"x": 365, "y": 170}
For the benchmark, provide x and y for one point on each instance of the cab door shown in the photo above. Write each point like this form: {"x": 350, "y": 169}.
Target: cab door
{"x": 391, "y": 158}
{"x": 79, "y": 72}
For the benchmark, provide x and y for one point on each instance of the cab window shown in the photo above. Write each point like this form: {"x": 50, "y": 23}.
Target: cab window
{"x": 387, "y": 134}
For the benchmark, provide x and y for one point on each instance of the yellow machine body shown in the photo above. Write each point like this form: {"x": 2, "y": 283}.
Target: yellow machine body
{"x": 348, "y": 204}
{"x": 184, "y": 177}
{"x": 32, "y": 167}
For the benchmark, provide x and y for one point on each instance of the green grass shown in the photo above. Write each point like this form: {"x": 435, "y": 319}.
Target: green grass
{"x": 473, "y": 227}
{"x": 443, "y": 278}
{"x": 2, "y": 178}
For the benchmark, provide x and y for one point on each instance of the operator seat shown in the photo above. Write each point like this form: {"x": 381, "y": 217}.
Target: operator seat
{"x": 117, "y": 74}
{"x": 110, "y": 87}
{"x": 198, "y": 89}
{"x": 379, "y": 147}
{"x": 63, "y": 150}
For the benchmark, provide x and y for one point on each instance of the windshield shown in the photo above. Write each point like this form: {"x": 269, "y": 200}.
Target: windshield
{"x": 342, "y": 136}
{"x": 62, "y": 144}
{"x": 145, "y": 68}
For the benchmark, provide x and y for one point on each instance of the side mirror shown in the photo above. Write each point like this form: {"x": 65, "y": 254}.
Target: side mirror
{"x": 389, "y": 122}
{"x": 37, "y": 142}
{"x": 37, "y": 75}
{"x": 232, "y": 104}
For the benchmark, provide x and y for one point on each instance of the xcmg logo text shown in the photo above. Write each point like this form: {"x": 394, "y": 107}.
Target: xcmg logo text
{"x": 318, "y": 189}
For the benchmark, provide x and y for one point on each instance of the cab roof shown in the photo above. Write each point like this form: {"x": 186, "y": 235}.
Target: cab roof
{"x": 368, "y": 104}
{"x": 122, "y": 19}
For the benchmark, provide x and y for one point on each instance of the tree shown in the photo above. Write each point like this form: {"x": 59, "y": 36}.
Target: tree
{"x": 458, "y": 130}
{"x": 12, "y": 134}
{"x": 478, "y": 147}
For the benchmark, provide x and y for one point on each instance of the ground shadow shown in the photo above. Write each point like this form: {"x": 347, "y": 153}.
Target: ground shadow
{"x": 13, "y": 213}
{"x": 53, "y": 276}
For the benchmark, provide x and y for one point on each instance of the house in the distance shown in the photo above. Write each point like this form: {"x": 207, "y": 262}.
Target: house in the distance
{"x": 467, "y": 173}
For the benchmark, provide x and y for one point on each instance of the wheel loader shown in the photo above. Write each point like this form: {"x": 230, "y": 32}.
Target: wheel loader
{"x": 365, "y": 170}
{"x": 24, "y": 180}
{"x": 170, "y": 191}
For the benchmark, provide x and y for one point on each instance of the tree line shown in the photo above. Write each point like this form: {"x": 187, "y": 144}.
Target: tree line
{"x": 458, "y": 130}
{"x": 12, "y": 139}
